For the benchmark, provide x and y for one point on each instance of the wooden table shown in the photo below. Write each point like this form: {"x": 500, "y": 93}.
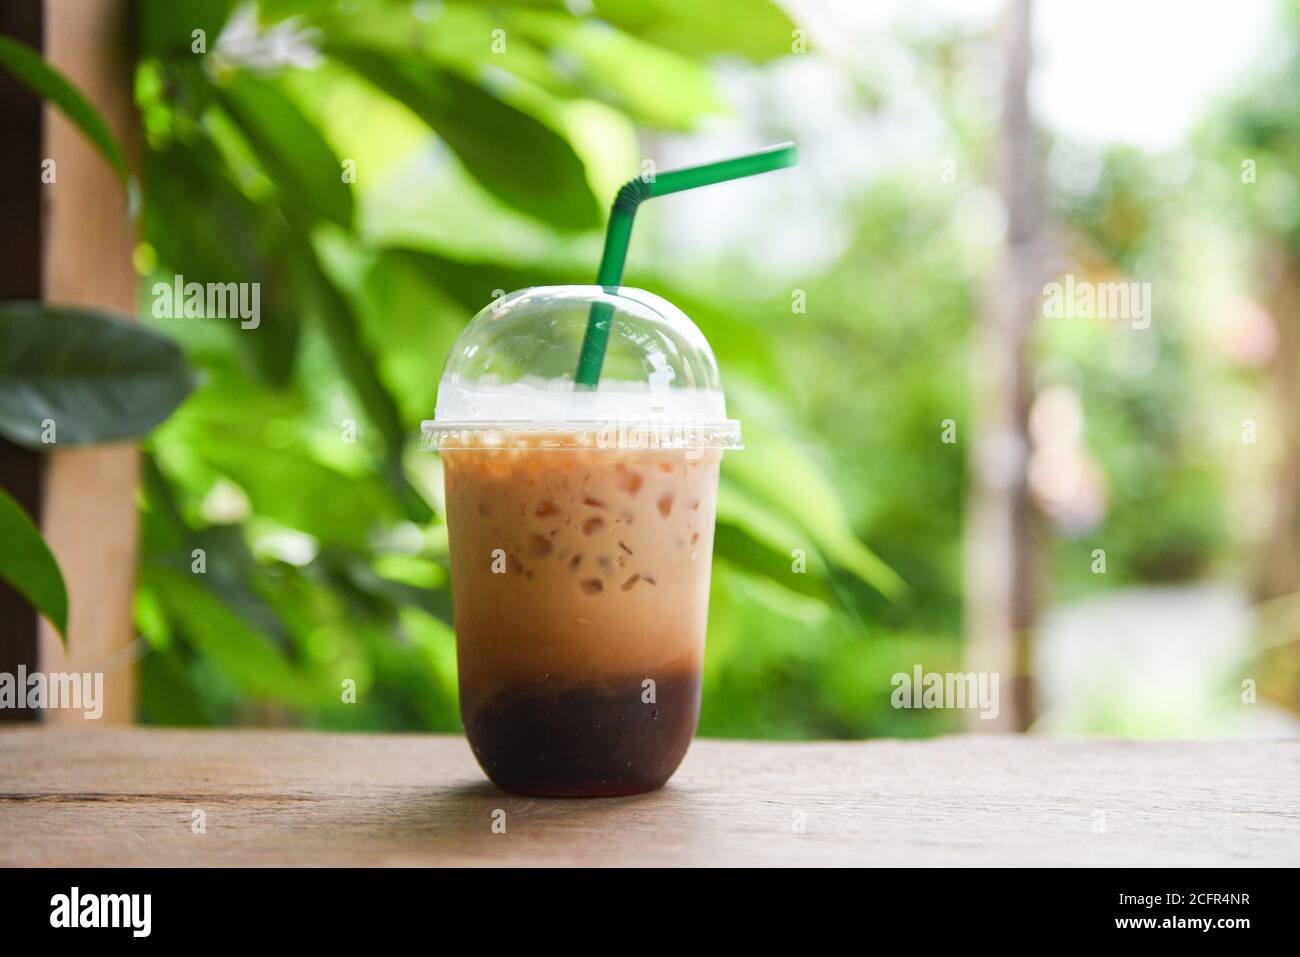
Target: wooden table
{"x": 130, "y": 797}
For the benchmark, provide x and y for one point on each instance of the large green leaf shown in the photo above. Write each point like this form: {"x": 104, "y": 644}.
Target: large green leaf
{"x": 548, "y": 48}
{"x": 27, "y": 563}
{"x": 452, "y": 37}
{"x": 30, "y": 69}
{"x": 293, "y": 151}
{"x": 757, "y": 29}
{"x": 97, "y": 378}
{"x": 515, "y": 156}
{"x": 471, "y": 284}
{"x": 225, "y": 237}
{"x": 411, "y": 323}
{"x": 649, "y": 83}
{"x": 775, "y": 470}
{"x": 357, "y": 363}
{"x": 358, "y": 367}
{"x": 763, "y": 541}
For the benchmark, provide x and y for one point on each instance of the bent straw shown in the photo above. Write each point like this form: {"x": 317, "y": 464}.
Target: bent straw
{"x": 619, "y": 235}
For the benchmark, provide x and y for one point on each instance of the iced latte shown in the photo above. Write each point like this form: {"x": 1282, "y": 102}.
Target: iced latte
{"x": 580, "y": 522}
{"x": 580, "y": 579}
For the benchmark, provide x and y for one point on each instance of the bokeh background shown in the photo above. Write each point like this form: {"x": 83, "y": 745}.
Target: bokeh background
{"x": 1106, "y": 515}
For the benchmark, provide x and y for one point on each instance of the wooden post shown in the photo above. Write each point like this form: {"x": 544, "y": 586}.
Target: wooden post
{"x": 77, "y": 252}
{"x": 1000, "y": 529}
{"x": 1279, "y": 572}
{"x": 90, "y": 513}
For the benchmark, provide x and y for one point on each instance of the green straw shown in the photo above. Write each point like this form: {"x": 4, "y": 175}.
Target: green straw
{"x": 619, "y": 234}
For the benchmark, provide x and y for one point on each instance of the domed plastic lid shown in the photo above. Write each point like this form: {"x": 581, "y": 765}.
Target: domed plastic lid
{"x": 512, "y": 371}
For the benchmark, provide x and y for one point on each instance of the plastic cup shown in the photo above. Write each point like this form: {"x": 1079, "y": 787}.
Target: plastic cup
{"x": 581, "y": 535}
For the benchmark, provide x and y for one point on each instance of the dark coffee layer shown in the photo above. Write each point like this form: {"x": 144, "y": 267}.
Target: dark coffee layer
{"x": 586, "y": 741}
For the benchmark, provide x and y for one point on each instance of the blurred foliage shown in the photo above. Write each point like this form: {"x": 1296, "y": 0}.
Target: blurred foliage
{"x": 477, "y": 168}
{"x": 482, "y": 168}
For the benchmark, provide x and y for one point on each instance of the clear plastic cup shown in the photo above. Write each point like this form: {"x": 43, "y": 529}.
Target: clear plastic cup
{"x": 581, "y": 534}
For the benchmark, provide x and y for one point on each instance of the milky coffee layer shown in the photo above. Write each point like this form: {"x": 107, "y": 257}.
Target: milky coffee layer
{"x": 579, "y": 565}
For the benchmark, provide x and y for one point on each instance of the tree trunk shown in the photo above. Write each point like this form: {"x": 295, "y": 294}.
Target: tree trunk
{"x": 1000, "y": 522}
{"x": 1280, "y": 574}
{"x": 90, "y": 515}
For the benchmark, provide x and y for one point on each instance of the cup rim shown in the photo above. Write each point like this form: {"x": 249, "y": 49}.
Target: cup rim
{"x": 647, "y": 435}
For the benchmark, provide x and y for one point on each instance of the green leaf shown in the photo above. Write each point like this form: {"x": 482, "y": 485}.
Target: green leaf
{"x": 757, "y": 29}
{"x": 225, "y": 638}
{"x": 772, "y": 468}
{"x": 225, "y": 237}
{"x": 167, "y": 29}
{"x": 337, "y": 319}
{"x": 471, "y": 284}
{"x": 549, "y": 49}
{"x": 410, "y": 323}
{"x": 169, "y": 695}
{"x": 97, "y": 377}
{"x": 216, "y": 239}
{"x": 653, "y": 85}
{"x": 27, "y": 563}
{"x": 358, "y": 366}
{"x": 259, "y": 439}
{"x": 30, "y": 69}
{"x": 293, "y": 151}
{"x": 515, "y": 156}
{"x": 762, "y": 540}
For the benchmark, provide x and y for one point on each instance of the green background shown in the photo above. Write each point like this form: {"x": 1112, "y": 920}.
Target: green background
{"x": 481, "y": 168}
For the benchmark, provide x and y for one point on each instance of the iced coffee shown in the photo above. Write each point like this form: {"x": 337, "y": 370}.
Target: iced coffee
{"x": 580, "y": 524}
{"x": 580, "y": 580}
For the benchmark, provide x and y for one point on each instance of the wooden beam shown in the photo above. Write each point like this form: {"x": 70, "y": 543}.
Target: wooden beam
{"x": 90, "y": 516}
{"x": 1002, "y": 572}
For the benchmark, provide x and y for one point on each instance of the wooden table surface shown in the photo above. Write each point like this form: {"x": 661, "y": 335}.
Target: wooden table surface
{"x": 129, "y": 797}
